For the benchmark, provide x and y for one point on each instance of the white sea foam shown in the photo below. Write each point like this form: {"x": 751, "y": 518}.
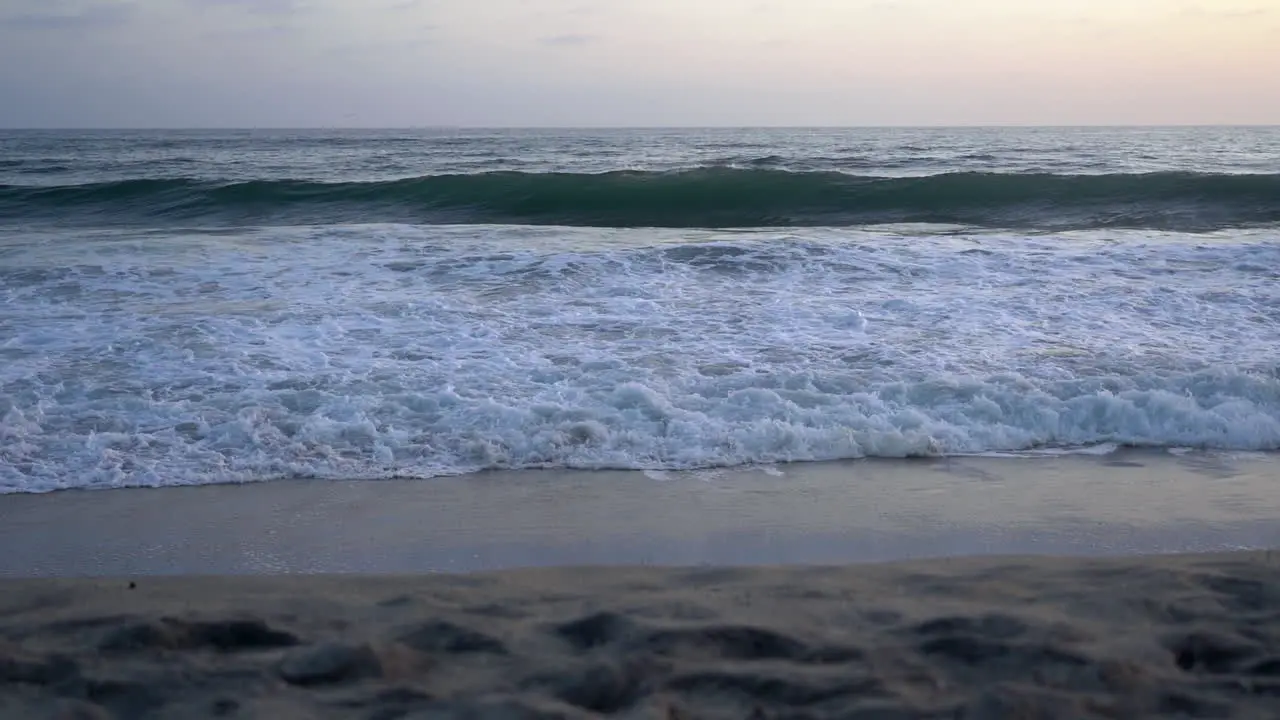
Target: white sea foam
{"x": 378, "y": 351}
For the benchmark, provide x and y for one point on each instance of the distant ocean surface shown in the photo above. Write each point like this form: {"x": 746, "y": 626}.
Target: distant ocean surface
{"x": 205, "y": 307}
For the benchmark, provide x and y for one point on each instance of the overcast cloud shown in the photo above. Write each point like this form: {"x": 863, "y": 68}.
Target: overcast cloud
{"x": 294, "y": 63}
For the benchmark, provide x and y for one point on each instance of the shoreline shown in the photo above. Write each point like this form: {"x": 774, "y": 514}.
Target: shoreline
{"x": 1130, "y": 502}
{"x": 1210, "y": 462}
{"x": 1069, "y": 587}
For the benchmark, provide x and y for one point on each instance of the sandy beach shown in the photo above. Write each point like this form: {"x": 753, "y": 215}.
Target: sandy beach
{"x": 1126, "y": 503}
{"x": 782, "y": 592}
{"x": 1174, "y": 636}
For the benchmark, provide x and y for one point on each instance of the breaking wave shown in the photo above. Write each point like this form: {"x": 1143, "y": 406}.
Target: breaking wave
{"x": 710, "y": 197}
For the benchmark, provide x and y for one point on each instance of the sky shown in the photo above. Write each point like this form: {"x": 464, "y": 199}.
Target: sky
{"x": 522, "y": 63}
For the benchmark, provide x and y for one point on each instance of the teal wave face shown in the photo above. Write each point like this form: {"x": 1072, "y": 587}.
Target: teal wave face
{"x": 714, "y": 197}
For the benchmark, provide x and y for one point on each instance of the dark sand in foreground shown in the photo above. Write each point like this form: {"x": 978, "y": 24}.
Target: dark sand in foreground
{"x": 1168, "y": 636}
{"x": 245, "y": 630}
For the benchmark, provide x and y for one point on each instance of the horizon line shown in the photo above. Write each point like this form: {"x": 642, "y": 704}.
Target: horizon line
{"x": 975, "y": 126}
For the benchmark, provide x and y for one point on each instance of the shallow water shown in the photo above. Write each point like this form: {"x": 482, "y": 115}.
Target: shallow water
{"x": 147, "y": 341}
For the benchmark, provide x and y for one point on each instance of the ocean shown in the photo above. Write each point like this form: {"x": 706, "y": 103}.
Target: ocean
{"x": 184, "y": 308}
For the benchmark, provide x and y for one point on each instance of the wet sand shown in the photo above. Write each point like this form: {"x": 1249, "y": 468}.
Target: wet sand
{"x": 830, "y": 513}
{"x": 207, "y": 602}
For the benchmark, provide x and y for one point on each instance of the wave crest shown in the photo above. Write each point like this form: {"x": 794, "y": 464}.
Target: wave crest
{"x": 711, "y": 197}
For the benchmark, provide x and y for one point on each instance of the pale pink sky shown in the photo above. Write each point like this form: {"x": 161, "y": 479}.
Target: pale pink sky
{"x": 215, "y": 63}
